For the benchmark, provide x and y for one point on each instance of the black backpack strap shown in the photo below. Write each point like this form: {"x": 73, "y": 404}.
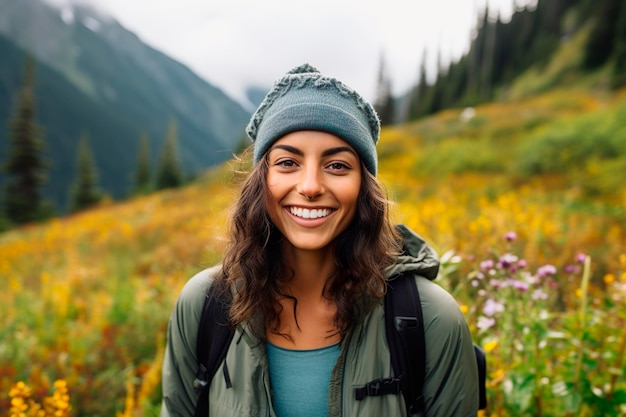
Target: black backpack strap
{"x": 405, "y": 336}
{"x": 481, "y": 361}
{"x": 214, "y": 336}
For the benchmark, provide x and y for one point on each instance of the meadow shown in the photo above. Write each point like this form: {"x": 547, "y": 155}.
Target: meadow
{"x": 524, "y": 201}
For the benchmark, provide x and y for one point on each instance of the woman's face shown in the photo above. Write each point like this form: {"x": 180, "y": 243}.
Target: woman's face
{"x": 322, "y": 167}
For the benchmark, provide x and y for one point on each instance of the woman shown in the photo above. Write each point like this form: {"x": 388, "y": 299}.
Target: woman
{"x": 310, "y": 254}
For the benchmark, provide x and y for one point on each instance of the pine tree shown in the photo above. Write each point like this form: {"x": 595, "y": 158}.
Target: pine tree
{"x": 384, "y": 104}
{"x": 600, "y": 44}
{"x": 84, "y": 192}
{"x": 169, "y": 173}
{"x": 142, "y": 175}
{"x": 488, "y": 57}
{"x": 25, "y": 166}
{"x": 416, "y": 101}
{"x": 619, "y": 69}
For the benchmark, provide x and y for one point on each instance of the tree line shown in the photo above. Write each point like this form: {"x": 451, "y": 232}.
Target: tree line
{"x": 26, "y": 165}
{"x": 501, "y": 51}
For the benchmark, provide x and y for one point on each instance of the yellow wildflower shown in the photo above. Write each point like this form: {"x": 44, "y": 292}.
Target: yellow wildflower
{"x": 609, "y": 279}
{"x": 491, "y": 345}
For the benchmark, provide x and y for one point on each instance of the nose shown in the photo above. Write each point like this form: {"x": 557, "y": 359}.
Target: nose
{"x": 311, "y": 182}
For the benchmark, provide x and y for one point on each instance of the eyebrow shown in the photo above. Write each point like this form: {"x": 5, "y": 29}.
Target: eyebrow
{"x": 327, "y": 152}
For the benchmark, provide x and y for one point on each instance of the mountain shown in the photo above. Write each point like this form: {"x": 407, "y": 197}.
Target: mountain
{"x": 97, "y": 78}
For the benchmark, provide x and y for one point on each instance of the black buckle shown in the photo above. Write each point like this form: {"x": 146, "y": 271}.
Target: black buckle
{"x": 405, "y": 323}
{"x": 382, "y": 386}
{"x": 201, "y": 380}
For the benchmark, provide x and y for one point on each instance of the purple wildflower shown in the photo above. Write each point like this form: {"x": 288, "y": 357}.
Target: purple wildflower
{"x": 495, "y": 283}
{"x": 546, "y": 271}
{"x": 521, "y": 264}
{"x": 485, "y": 322}
{"x": 492, "y": 307}
{"x": 486, "y": 265}
{"x": 507, "y": 261}
{"x": 572, "y": 269}
{"x": 539, "y": 294}
{"x": 510, "y": 236}
{"x": 519, "y": 285}
{"x": 580, "y": 258}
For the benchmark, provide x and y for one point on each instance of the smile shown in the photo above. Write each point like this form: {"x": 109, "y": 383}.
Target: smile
{"x": 309, "y": 213}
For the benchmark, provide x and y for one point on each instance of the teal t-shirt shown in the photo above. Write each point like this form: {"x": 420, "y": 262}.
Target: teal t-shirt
{"x": 300, "y": 380}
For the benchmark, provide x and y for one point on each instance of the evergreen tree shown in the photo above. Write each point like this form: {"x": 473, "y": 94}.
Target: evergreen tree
{"x": 434, "y": 97}
{"x": 142, "y": 175}
{"x": 25, "y": 166}
{"x": 600, "y": 43}
{"x": 486, "y": 79}
{"x": 619, "y": 70}
{"x": 416, "y": 101}
{"x": 169, "y": 173}
{"x": 84, "y": 192}
{"x": 384, "y": 104}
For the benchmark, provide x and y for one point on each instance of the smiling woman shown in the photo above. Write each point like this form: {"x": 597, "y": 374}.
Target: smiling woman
{"x": 310, "y": 257}
{"x": 313, "y": 180}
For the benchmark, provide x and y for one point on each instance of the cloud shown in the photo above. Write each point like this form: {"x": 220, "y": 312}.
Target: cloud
{"x": 235, "y": 43}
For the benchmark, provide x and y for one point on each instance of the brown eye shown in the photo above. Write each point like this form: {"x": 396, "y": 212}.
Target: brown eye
{"x": 285, "y": 163}
{"x": 338, "y": 166}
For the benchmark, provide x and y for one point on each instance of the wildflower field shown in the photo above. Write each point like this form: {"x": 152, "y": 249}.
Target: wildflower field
{"x": 525, "y": 202}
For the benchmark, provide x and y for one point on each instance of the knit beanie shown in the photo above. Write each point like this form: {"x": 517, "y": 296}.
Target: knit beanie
{"x": 304, "y": 99}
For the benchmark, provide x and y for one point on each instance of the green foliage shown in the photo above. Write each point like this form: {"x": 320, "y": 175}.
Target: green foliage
{"x": 455, "y": 156}
{"x": 85, "y": 192}
{"x": 558, "y": 361}
{"x": 590, "y": 150}
{"x": 25, "y": 165}
{"x": 169, "y": 172}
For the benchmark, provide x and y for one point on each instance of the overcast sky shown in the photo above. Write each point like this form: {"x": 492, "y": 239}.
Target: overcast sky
{"x": 235, "y": 43}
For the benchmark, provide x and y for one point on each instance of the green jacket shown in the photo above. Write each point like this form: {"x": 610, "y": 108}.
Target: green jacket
{"x": 450, "y": 385}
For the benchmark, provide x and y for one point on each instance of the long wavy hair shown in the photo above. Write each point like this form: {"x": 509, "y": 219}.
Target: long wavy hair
{"x": 253, "y": 267}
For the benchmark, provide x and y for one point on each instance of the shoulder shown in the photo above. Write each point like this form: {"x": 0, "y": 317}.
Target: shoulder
{"x": 191, "y": 298}
{"x": 197, "y": 286}
{"x": 451, "y": 373}
{"x": 438, "y": 305}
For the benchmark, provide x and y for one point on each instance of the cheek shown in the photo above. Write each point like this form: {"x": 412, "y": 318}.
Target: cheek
{"x": 273, "y": 197}
{"x": 350, "y": 196}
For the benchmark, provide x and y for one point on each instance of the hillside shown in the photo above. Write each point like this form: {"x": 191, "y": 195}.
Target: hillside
{"x": 522, "y": 197}
{"x": 95, "y": 77}
{"x": 94, "y": 290}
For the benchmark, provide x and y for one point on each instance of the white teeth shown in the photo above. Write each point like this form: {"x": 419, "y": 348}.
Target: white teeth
{"x": 309, "y": 214}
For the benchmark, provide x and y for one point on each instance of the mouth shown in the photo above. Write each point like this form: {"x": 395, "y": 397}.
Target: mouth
{"x": 305, "y": 213}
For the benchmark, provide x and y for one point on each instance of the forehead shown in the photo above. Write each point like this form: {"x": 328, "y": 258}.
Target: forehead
{"x": 312, "y": 141}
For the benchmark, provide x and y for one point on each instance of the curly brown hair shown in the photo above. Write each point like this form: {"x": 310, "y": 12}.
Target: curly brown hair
{"x": 253, "y": 267}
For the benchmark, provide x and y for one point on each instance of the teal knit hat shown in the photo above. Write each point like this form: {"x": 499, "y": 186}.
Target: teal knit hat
{"x": 304, "y": 99}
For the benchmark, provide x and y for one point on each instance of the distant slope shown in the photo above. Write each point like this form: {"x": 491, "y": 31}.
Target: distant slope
{"x": 93, "y": 76}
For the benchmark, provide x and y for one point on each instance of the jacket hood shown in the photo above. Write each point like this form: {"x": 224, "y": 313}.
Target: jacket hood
{"x": 417, "y": 257}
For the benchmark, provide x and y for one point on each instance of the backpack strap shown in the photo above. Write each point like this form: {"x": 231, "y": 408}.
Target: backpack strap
{"x": 481, "y": 361}
{"x": 214, "y": 336}
{"x": 405, "y": 336}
